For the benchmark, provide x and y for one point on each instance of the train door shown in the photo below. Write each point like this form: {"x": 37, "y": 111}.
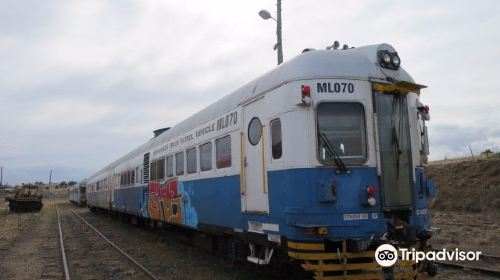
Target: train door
{"x": 255, "y": 177}
{"x": 395, "y": 151}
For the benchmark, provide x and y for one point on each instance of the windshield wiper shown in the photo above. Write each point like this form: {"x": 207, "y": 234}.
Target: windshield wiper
{"x": 332, "y": 153}
{"x": 395, "y": 139}
{"x": 395, "y": 142}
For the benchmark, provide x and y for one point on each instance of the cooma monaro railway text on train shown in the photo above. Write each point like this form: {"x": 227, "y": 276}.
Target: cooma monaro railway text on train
{"x": 321, "y": 160}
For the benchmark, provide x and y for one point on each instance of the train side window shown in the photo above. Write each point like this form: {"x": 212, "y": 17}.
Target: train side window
{"x": 191, "y": 160}
{"x": 161, "y": 169}
{"x": 206, "y": 156}
{"x": 223, "y": 152}
{"x": 276, "y": 145}
{"x": 170, "y": 166}
{"x": 132, "y": 180}
{"x": 153, "y": 171}
{"x": 179, "y": 163}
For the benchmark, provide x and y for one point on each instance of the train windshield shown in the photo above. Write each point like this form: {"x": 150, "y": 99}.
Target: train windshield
{"x": 341, "y": 131}
{"x": 394, "y": 142}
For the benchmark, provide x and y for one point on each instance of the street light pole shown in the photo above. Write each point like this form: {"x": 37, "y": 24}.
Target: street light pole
{"x": 278, "y": 34}
{"x": 279, "y": 44}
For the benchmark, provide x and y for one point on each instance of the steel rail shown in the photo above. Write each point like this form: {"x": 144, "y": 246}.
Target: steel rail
{"x": 481, "y": 256}
{"x": 63, "y": 253}
{"x": 140, "y": 266}
{"x": 4, "y": 217}
{"x": 489, "y": 257}
{"x": 488, "y": 271}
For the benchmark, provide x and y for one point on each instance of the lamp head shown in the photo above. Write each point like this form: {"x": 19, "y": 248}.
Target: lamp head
{"x": 264, "y": 14}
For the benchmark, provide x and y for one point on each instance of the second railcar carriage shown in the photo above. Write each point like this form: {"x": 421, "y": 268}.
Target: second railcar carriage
{"x": 321, "y": 159}
{"x": 78, "y": 193}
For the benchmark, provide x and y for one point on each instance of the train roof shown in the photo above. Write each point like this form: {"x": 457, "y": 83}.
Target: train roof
{"x": 354, "y": 63}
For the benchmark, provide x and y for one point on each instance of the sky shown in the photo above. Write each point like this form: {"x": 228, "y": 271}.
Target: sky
{"x": 84, "y": 82}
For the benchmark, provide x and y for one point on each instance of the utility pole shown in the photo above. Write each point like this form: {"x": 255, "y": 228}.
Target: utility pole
{"x": 278, "y": 34}
{"x": 279, "y": 44}
{"x": 1, "y": 176}
{"x": 50, "y": 181}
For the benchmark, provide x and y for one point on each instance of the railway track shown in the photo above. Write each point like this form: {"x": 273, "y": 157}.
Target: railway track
{"x": 87, "y": 254}
{"x": 488, "y": 259}
{"x": 4, "y": 217}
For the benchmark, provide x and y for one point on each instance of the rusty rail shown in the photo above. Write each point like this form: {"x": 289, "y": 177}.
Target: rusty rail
{"x": 140, "y": 266}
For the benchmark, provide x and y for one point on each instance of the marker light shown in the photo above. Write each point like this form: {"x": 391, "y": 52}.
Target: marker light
{"x": 371, "y": 193}
{"x": 370, "y": 190}
{"x": 372, "y": 202}
{"x": 306, "y": 95}
{"x": 426, "y": 109}
{"x": 306, "y": 90}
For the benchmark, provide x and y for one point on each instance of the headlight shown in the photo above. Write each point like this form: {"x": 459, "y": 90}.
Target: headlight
{"x": 389, "y": 60}
{"x": 395, "y": 60}
{"x": 386, "y": 58}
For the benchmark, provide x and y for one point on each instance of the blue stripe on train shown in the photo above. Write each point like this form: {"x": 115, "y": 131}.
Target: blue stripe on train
{"x": 297, "y": 198}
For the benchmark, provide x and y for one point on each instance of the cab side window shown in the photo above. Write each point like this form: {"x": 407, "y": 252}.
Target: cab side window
{"x": 276, "y": 145}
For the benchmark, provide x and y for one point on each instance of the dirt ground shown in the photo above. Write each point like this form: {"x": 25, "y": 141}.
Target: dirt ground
{"x": 31, "y": 250}
{"x": 467, "y": 231}
{"x": 30, "y": 246}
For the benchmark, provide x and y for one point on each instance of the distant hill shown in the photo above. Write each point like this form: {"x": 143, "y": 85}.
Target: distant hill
{"x": 466, "y": 184}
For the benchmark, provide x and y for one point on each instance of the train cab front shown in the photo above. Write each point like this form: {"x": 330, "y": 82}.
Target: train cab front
{"x": 369, "y": 185}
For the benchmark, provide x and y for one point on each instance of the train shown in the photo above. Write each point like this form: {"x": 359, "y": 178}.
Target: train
{"x": 78, "y": 193}
{"x": 317, "y": 162}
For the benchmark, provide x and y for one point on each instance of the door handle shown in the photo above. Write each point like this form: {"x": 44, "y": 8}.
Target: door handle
{"x": 245, "y": 162}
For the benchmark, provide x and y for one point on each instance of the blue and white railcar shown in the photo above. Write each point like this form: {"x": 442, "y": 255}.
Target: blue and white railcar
{"x": 78, "y": 193}
{"x": 321, "y": 158}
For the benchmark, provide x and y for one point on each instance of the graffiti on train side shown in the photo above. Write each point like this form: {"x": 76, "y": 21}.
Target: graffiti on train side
{"x": 165, "y": 202}
{"x": 170, "y": 202}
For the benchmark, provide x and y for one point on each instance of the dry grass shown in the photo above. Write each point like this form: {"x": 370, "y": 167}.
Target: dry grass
{"x": 467, "y": 185}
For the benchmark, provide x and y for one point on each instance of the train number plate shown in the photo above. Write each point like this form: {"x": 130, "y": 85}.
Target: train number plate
{"x": 361, "y": 216}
